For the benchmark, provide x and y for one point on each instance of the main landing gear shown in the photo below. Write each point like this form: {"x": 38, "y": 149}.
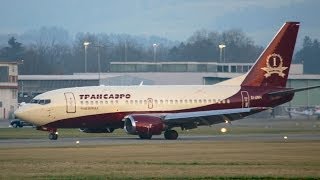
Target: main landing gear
{"x": 171, "y": 134}
{"x": 168, "y": 134}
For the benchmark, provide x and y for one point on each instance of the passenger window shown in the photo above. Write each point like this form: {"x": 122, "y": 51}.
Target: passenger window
{"x": 171, "y": 101}
{"x": 186, "y": 101}
{"x": 140, "y": 102}
{"x": 161, "y": 101}
{"x": 190, "y": 101}
{"x": 156, "y": 101}
{"x": 200, "y": 101}
{"x": 106, "y": 102}
{"x": 204, "y": 101}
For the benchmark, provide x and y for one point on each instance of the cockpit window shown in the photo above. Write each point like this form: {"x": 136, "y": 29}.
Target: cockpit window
{"x": 34, "y": 101}
{"x": 40, "y": 101}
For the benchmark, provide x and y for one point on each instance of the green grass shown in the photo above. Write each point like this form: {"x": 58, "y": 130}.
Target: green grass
{"x": 195, "y": 160}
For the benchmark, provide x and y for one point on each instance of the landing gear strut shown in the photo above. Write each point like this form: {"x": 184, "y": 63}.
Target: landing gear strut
{"x": 171, "y": 134}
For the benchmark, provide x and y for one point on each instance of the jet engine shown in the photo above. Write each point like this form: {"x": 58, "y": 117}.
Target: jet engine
{"x": 143, "y": 125}
{"x": 97, "y": 130}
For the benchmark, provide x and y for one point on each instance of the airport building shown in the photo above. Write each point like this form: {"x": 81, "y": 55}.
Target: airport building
{"x": 8, "y": 89}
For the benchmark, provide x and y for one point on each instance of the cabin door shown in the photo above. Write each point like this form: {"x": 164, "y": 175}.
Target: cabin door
{"x": 245, "y": 99}
{"x": 150, "y": 103}
{"x": 70, "y": 102}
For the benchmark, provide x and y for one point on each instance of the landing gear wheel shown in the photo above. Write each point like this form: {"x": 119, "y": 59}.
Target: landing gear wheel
{"x": 53, "y": 136}
{"x": 171, "y": 134}
{"x": 15, "y": 125}
{"x": 145, "y": 136}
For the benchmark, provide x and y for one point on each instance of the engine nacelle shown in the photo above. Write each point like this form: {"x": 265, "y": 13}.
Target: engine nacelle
{"x": 143, "y": 124}
{"x": 97, "y": 130}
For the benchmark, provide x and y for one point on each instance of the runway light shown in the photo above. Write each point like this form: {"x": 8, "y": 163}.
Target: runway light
{"x": 77, "y": 142}
{"x": 285, "y": 137}
{"x": 223, "y": 130}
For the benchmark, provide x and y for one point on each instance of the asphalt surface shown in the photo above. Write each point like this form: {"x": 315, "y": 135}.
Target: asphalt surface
{"x": 97, "y": 141}
{"x": 4, "y": 123}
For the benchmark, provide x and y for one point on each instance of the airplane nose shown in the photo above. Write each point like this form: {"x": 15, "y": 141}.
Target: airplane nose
{"x": 26, "y": 113}
{"x": 20, "y": 114}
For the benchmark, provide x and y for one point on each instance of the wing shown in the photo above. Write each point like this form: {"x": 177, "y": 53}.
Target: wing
{"x": 193, "y": 119}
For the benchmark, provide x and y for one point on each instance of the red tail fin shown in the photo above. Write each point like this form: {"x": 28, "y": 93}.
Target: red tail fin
{"x": 273, "y": 65}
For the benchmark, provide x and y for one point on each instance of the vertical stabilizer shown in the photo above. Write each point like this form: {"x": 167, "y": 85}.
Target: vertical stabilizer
{"x": 273, "y": 65}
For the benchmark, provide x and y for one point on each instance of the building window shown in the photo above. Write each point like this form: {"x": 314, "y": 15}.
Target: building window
{"x": 0, "y": 104}
{"x": 14, "y": 94}
{"x": 233, "y": 69}
{"x": 225, "y": 68}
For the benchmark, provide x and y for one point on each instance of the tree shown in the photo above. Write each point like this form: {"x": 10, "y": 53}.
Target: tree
{"x": 309, "y": 55}
{"x": 14, "y": 51}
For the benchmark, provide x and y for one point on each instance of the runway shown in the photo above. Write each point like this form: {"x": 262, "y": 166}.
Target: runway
{"x": 98, "y": 141}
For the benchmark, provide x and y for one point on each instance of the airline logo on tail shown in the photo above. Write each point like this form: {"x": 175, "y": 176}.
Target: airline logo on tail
{"x": 274, "y": 66}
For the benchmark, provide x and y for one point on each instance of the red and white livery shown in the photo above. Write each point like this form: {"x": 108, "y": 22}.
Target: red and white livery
{"x": 151, "y": 110}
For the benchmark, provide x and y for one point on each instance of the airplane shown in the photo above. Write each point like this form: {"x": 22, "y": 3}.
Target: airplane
{"x": 300, "y": 111}
{"x": 151, "y": 110}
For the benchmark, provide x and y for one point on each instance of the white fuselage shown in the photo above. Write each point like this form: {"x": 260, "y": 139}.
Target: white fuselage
{"x": 85, "y": 101}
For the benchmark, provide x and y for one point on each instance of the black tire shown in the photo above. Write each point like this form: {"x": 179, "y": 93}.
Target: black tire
{"x": 15, "y": 125}
{"x": 145, "y": 136}
{"x": 53, "y": 136}
{"x": 171, "y": 134}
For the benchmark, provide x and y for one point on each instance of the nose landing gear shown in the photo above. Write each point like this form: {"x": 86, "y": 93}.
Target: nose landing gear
{"x": 53, "y": 134}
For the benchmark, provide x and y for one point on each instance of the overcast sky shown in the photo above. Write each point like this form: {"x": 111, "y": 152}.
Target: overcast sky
{"x": 172, "y": 19}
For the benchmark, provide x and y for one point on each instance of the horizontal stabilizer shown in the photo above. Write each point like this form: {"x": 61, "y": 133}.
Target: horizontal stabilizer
{"x": 290, "y": 91}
